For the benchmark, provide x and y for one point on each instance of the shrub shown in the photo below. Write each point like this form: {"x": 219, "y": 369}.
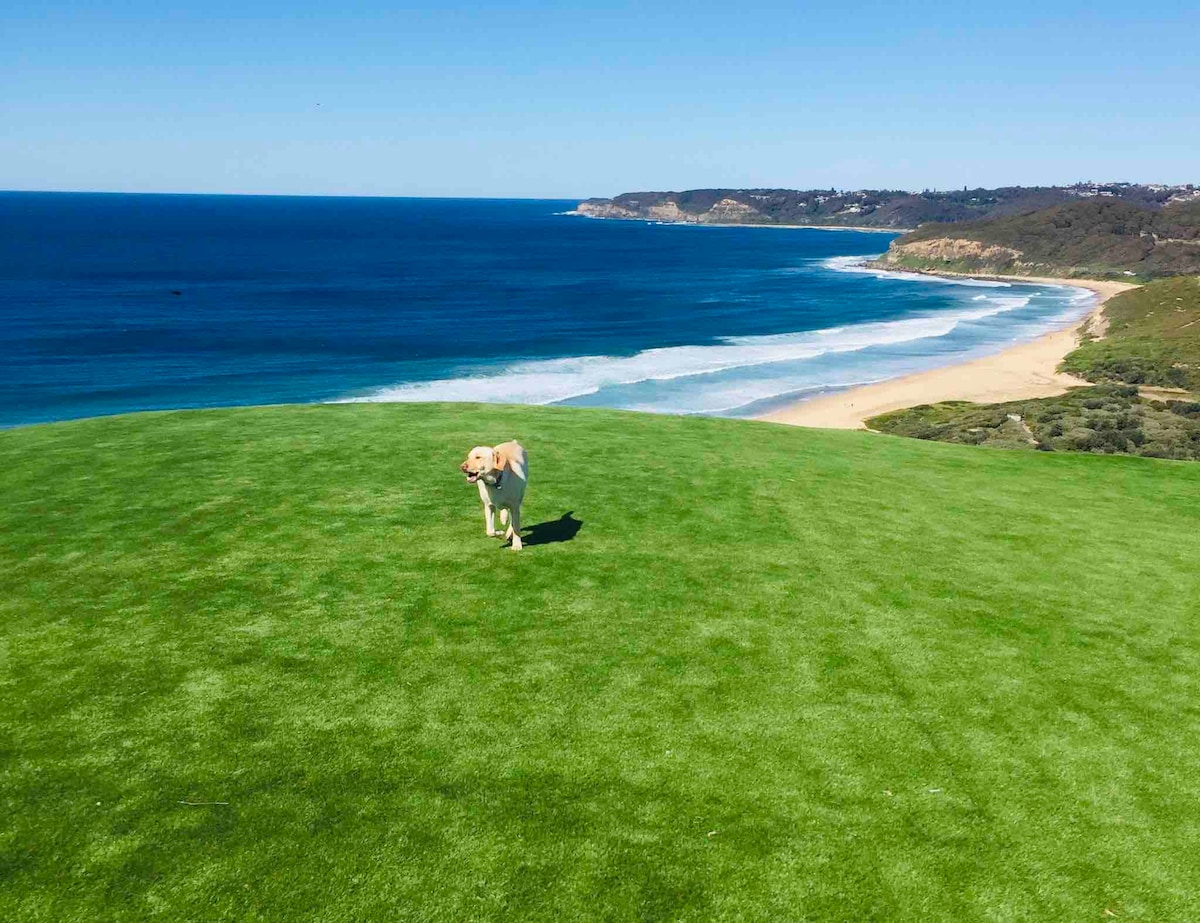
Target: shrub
{"x": 1108, "y": 418}
{"x": 1084, "y": 440}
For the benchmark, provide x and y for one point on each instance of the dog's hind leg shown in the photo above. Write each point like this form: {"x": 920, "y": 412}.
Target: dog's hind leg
{"x": 504, "y": 517}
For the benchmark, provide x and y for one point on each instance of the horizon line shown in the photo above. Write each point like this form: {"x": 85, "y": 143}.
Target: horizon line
{"x": 576, "y": 198}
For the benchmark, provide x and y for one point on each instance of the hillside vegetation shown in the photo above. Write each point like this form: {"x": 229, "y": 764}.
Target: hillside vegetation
{"x": 263, "y": 664}
{"x": 1152, "y": 338}
{"x": 1106, "y": 419}
{"x": 1093, "y": 238}
{"x": 879, "y": 208}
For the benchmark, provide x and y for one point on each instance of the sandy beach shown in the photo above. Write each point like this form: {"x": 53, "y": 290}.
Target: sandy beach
{"x": 1023, "y": 371}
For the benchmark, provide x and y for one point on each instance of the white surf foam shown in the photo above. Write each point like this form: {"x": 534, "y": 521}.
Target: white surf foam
{"x": 551, "y": 380}
{"x": 857, "y": 264}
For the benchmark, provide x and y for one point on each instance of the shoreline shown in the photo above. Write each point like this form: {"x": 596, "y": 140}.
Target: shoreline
{"x": 1019, "y": 372}
{"x": 746, "y": 224}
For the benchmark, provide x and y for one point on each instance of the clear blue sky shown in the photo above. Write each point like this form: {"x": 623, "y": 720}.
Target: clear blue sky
{"x": 566, "y": 99}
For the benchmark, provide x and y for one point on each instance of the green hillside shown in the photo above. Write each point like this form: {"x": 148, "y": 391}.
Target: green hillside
{"x": 263, "y": 664}
{"x": 1153, "y": 338}
{"x": 1092, "y": 238}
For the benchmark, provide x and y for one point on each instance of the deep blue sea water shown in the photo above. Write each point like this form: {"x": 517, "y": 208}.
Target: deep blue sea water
{"x": 113, "y": 303}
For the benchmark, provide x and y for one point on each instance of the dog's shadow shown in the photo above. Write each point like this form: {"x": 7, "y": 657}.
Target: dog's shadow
{"x": 563, "y": 529}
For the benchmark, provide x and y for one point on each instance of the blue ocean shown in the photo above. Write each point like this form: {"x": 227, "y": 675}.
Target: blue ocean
{"x": 115, "y": 303}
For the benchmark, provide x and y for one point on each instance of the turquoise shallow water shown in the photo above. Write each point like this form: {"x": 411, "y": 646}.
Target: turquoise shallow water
{"x": 113, "y": 303}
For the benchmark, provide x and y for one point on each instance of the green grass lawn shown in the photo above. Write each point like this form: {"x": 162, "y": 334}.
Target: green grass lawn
{"x": 776, "y": 674}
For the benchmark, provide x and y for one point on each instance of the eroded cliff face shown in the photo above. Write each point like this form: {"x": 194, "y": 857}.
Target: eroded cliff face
{"x": 663, "y": 211}
{"x": 667, "y": 211}
{"x": 726, "y": 211}
{"x": 956, "y": 251}
{"x": 731, "y": 211}
{"x": 605, "y": 210}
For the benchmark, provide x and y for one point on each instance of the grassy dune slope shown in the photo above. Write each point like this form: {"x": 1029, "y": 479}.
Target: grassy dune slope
{"x": 778, "y": 674}
{"x": 1153, "y": 338}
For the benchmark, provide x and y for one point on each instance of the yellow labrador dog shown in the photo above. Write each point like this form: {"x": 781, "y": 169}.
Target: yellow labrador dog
{"x": 502, "y": 474}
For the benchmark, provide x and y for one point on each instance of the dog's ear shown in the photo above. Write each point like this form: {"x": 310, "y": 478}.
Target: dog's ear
{"x": 500, "y": 460}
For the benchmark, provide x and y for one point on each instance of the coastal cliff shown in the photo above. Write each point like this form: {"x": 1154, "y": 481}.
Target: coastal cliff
{"x": 956, "y": 250}
{"x": 723, "y": 211}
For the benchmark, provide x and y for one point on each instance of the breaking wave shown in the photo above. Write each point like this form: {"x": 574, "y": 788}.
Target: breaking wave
{"x": 859, "y": 264}
{"x": 739, "y": 372}
{"x": 548, "y": 381}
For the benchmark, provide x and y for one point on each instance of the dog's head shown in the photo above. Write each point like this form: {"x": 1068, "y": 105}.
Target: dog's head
{"x": 483, "y": 462}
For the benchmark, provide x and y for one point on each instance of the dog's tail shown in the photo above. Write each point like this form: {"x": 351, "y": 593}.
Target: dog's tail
{"x": 504, "y": 517}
